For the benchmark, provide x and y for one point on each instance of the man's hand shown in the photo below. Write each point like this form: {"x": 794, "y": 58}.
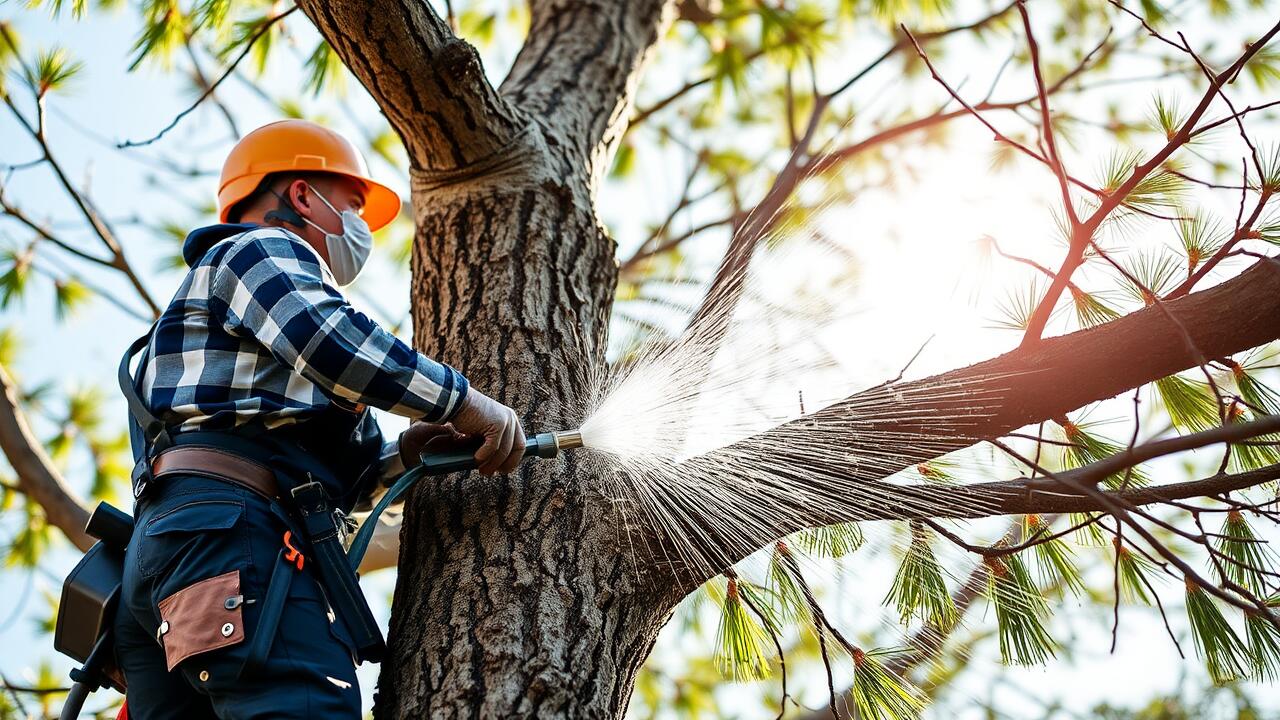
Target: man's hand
{"x": 503, "y": 437}
{"x": 419, "y": 435}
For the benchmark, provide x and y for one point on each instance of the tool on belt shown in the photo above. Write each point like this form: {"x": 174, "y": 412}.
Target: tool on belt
{"x": 91, "y": 591}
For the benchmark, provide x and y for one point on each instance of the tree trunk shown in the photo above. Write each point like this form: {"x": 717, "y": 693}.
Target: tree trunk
{"x": 513, "y": 599}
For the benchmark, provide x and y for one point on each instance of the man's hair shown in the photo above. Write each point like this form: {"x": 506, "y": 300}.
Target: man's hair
{"x": 264, "y": 191}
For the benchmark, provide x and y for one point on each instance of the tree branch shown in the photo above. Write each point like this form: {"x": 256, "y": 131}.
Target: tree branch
{"x": 579, "y": 68}
{"x": 430, "y": 84}
{"x": 38, "y": 479}
{"x": 988, "y": 400}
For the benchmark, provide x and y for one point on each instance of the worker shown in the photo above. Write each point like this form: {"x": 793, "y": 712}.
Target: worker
{"x": 254, "y": 438}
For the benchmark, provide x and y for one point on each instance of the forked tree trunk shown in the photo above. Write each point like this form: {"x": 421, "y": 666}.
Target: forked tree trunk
{"x": 513, "y": 599}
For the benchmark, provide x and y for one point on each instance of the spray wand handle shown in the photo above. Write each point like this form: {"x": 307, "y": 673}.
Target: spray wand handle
{"x": 462, "y": 456}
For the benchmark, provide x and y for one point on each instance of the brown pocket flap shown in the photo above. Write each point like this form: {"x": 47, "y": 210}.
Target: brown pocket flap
{"x": 196, "y": 619}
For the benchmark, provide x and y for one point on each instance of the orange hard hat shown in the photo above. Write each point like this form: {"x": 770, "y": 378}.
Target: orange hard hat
{"x": 300, "y": 146}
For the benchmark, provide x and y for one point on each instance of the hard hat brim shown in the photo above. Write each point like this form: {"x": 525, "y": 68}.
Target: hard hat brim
{"x": 381, "y": 203}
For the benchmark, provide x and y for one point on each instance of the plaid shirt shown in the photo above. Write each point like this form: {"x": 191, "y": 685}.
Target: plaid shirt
{"x": 259, "y": 334}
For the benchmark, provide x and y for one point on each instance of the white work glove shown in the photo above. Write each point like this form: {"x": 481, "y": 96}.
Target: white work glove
{"x": 503, "y": 445}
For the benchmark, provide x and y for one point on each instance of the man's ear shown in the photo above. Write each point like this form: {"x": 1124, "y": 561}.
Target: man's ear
{"x": 289, "y": 202}
{"x": 299, "y": 195}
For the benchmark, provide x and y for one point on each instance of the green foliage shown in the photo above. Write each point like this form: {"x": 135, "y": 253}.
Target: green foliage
{"x": 624, "y": 163}
{"x": 1166, "y": 116}
{"x": 1155, "y": 269}
{"x": 163, "y": 31}
{"x": 1270, "y": 160}
{"x": 325, "y": 69}
{"x": 879, "y": 694}
{"x": 1087, "y": 447}
{"x": 1191, "y": 405}
{"x": 1090, "y": 309}
{"x": 918, "y": 587}
{"x": 1158, "y": 190}
{"x": 1021, "y": 612}
{"x": 386, "y": 145}
{"x": 1133, "y": 572}
{"x": 1091, "y": 534}
{"x": 1264, "y": 67}
{"x": 1200, "y": 235}
{"x": 9, "y": 346}
{"x": 1055, "y": 561}
{"x": 1247, "y": 557}
{"x": 13, "y": 281}
{"x": 1254, "y": 391}
{"x": 1264, "y": 645}
{"x": 939, "y": 470}
{"x": 32, "y": 540}
{"x": 54, "y": 70}
{"x": 740, "y": 639}
{"x": 1216, "y": 643}
{"x": 477, "y": 26}
{"x": 1247, "y": 456}
{"x": 69, "y": 296}
{"x": 831, "y": 540}
{"x": 1019, "y": 305}
{"x": 789, "y": 602}
{"x": 10, "y": 45}
{"x": 251, "y": 30}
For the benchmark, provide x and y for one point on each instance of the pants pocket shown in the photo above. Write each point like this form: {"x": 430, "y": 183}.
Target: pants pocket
{"x": 176, "y": 532}
{"x": 201, "y": 617}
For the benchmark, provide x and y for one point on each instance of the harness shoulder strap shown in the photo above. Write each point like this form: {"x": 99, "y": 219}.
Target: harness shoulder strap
{"x": 148, "y": 435}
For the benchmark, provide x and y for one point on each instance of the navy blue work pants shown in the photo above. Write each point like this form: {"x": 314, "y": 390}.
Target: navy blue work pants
{"x": 192, "y": 529}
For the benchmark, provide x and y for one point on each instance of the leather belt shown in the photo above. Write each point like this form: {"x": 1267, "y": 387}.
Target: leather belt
{"x": 218, "y": 464}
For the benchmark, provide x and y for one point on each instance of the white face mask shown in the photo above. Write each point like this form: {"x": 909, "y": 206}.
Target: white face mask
{"x": 349, "y": 251}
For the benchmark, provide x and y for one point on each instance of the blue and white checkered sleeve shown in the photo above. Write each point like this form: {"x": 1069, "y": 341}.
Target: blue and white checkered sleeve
{"x": 270, "y": 286}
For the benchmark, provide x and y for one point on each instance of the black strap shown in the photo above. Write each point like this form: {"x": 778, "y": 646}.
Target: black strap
{"x": 338, "y": 578}
{"x": 269, "y": 616}
{"x": 148, "y": 434}
{"x": 151, "y": 425}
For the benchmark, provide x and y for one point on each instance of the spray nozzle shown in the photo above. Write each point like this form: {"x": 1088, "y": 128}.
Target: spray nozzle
{"x": 462, "y": 457}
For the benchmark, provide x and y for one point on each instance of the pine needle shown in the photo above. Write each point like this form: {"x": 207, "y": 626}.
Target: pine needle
{"x": 1090, "y": 534}
{"x": 831, "y": 541}
{"x": 881, "y": 695}
{"x": 1132, "y": 570}
{"x": 1264, "y": 646}
{"x": 1021, "y": 612}
{"x": 1090, "y": 309}
{"x": 1216, "y": 643}
{"x": 1247, "y": 557}
{"x": 1089, "y": 448}
{"x": 918, "y": 587}
{"x": 1156, "y": 270}
{"x": 1200, "y": 235}
{"x": 939, "y": 470}
{"x": 789, "y": 599}
{"x": 1190, "y": 404}
{"x": 740, "y": 640}
{"x": 1054, "y": 558}
{"x": 1254, "y": 391}
{"x": 1245, "y": 456}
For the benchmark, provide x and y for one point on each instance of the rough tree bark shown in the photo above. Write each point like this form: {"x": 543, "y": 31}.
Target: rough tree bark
{"x": 512, "y": 598}
{"x": 516, "y": 596}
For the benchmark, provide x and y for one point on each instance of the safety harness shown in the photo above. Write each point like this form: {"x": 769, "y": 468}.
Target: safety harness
{"x": 307, "y": 507}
